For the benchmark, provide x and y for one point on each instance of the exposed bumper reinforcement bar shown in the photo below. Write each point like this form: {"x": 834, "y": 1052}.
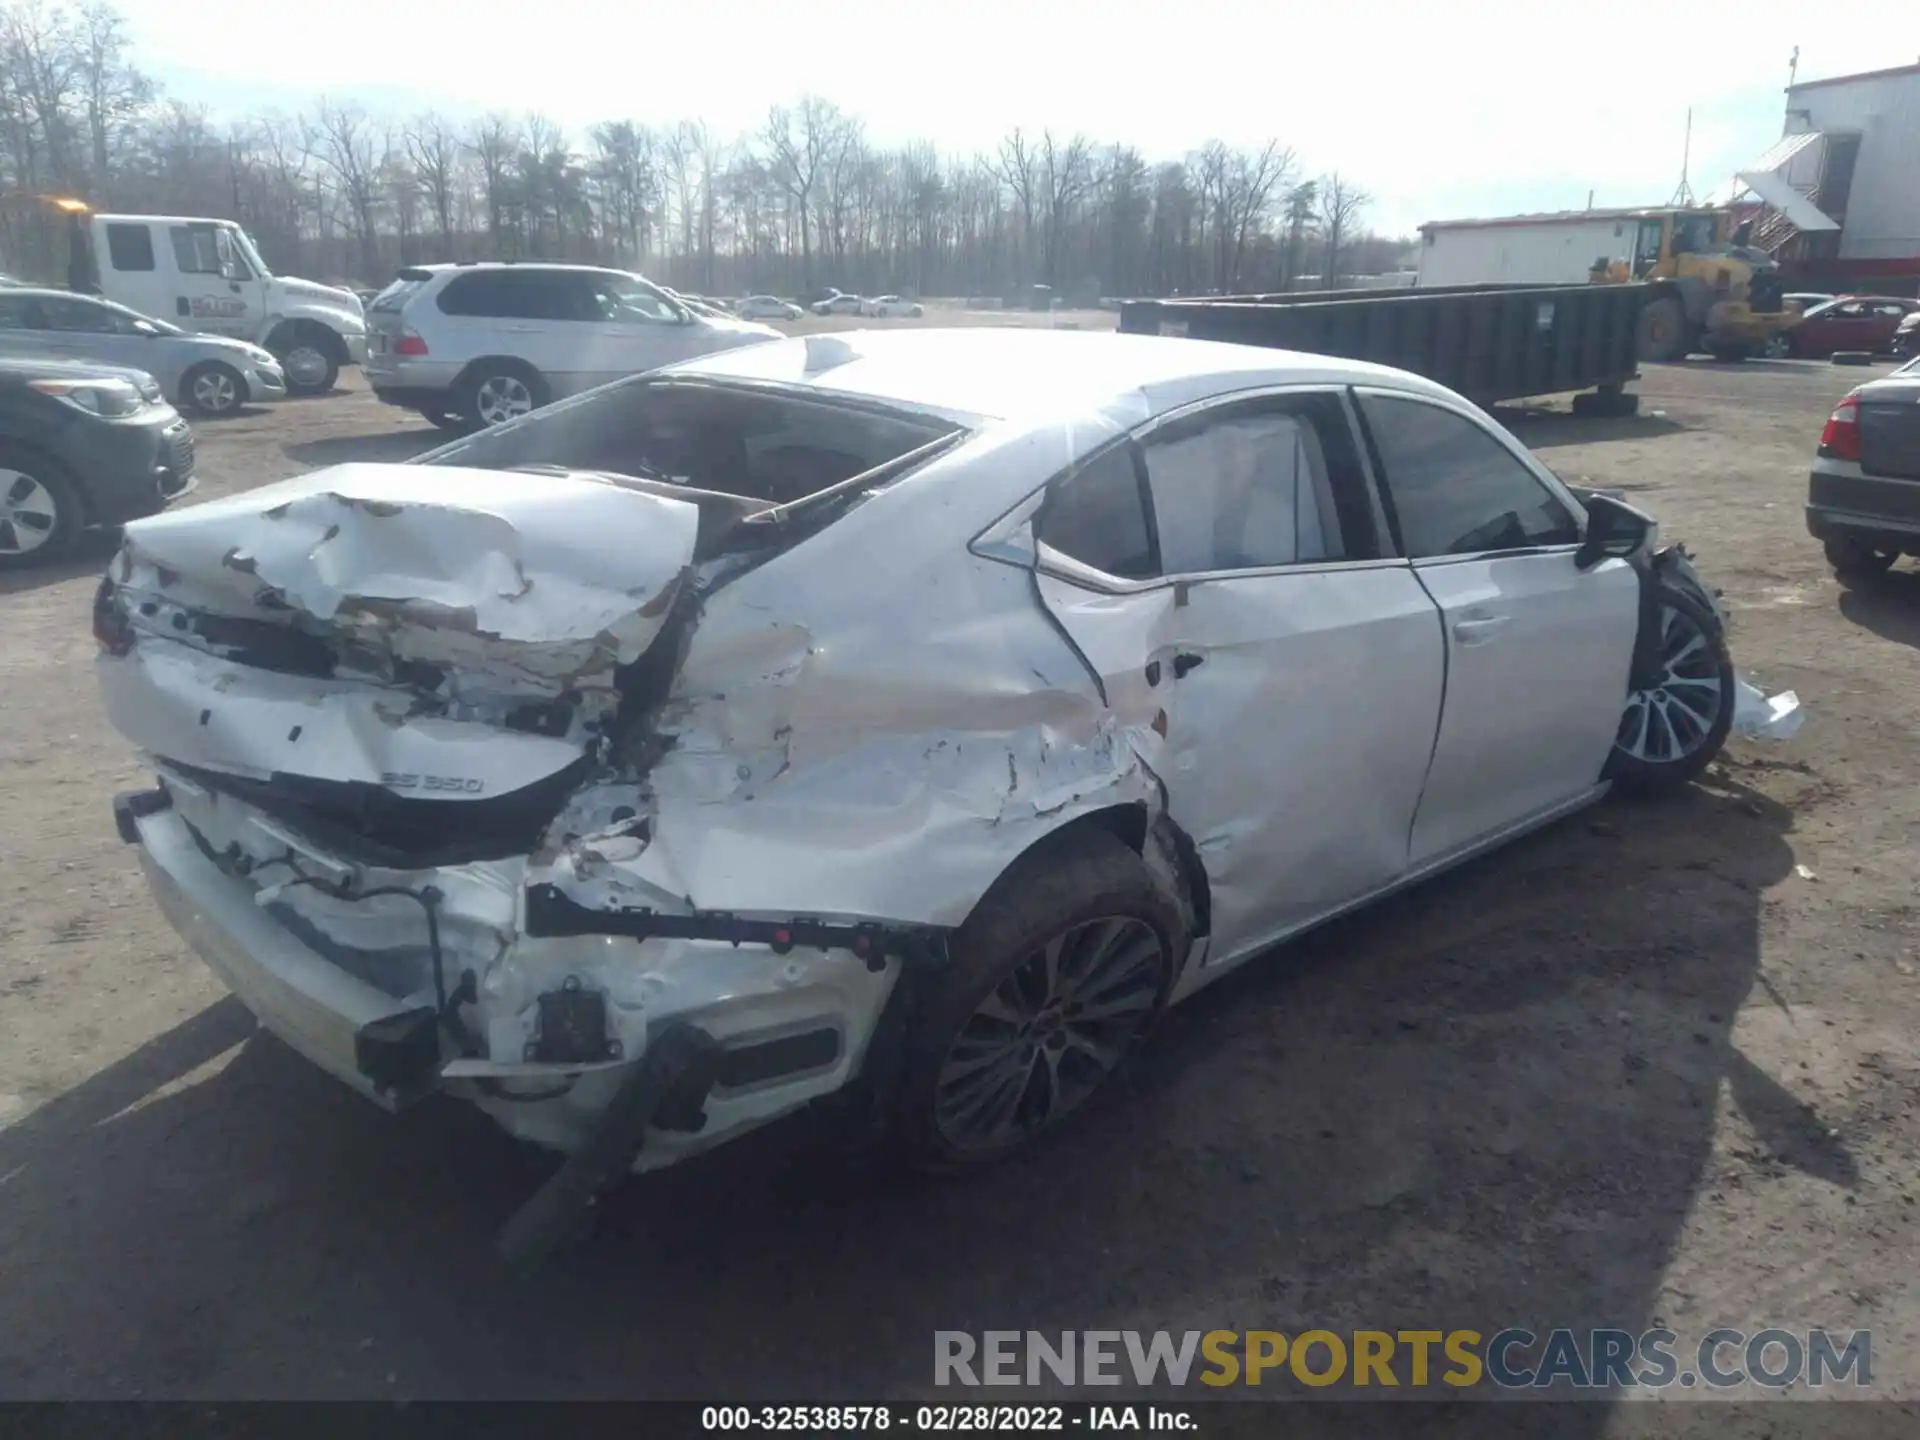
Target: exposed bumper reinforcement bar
{"x": 550, "y": 912}
{"x": 668, "y": 1086}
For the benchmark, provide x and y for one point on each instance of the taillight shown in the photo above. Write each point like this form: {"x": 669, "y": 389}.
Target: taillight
{"x": 1841, "y": 439}
{"x": 111, "y": 629}
{"x": 409, "y": 344}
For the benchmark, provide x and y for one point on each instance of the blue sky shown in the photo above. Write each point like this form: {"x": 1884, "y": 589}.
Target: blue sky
{"x": 1440, "y": 112}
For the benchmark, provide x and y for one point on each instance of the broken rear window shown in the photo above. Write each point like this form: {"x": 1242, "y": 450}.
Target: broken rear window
{"x": 759, "y": 445}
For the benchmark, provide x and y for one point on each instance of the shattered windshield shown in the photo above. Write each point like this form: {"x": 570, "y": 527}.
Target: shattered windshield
{"x": 755, "y": 443}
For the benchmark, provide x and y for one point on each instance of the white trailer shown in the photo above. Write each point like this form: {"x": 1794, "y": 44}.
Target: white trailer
{"x": 1526, "y": 249}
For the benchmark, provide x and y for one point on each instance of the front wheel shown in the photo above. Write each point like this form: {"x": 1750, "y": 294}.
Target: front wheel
{"x": 1779, "y": 347}
{"x": 213, "y": 390}
{"x": 1663, "y": 331}
{"x": 1671, "y": 731}
{"x": 40, "y": 514}
{"x": 1053, "y": 979}
{"x": 308, "y": 363}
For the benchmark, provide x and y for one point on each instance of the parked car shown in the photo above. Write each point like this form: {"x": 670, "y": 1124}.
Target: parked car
{"x": 1863, "y": 497}
{"x": 205, "y": 374}
{"x": 1906, "y": 339}
{"x": 839, "y": 305}
{"x": 885, "y": 305}
{"x": 1855, "y": 322}
{"x": 478, "y": 345}
{"x": 82, "y": 445}
{"x": 681, "y": 830}
{"x": 768, "y": 307}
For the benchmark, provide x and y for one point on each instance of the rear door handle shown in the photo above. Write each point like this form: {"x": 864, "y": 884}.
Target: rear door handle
{"x": 1183, "y": 663}
{"x": 1479, "y": 630}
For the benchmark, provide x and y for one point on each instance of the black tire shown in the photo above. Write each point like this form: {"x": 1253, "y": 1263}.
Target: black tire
{"x": 1663, "y": 330}
{"x": 1082, "y": 878}
{"x": 309, "y": 358}
{"x": 449, "y": 420}
{"x": 53, "y": 495}
{"x": 496, "y": 377}
{"x": 213, "y": 390}
{"x": 1853, "y": 559}
{"x": 1654, "y": 772}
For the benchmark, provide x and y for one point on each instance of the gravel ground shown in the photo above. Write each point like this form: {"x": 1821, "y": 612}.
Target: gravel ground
{"x": 1657, "y": 1062}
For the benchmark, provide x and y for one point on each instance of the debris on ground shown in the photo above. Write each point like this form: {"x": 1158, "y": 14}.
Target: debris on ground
{"x": 1759, "y": 716}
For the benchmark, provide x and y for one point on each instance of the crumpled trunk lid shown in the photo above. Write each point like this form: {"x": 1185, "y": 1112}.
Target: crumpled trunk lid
{"x": 372, "y": 638}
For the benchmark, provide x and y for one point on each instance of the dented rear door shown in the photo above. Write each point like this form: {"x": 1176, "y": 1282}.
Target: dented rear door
{"x": 1291, "y": 680}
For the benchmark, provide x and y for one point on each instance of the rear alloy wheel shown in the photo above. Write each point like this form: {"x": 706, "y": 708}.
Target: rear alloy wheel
{"x": 39, "y": 512}
{"x": 213, "y": 390}
{"x": 1779, "y": 347}
{"x": 1857, "y": 560}
{"x": 1671, "y": 731}
{"x": 496, "y": 396}
{"x": 1052, "y": 982}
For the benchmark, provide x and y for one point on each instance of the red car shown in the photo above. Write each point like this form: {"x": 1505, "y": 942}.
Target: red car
{"x": 1853, "y": 322}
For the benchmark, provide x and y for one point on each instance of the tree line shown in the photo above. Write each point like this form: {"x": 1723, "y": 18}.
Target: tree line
{"x": 805, "y": 200}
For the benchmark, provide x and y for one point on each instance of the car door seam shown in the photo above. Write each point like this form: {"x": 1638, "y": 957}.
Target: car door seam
{"x": 1440, "y": 715}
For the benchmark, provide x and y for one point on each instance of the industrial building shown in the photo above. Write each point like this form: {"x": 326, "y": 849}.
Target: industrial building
{"x": 1837, "y": 200}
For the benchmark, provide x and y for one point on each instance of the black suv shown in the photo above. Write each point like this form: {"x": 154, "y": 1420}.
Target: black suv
{"x": 82, "y": 445}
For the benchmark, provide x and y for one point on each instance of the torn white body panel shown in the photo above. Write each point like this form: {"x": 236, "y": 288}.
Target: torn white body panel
{"x": 198, "y": 709}
{"x": 556, "y": 576}
{"x": 880, "y": 749}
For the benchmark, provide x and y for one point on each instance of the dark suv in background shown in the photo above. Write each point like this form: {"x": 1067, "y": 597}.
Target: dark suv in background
{"x": 82, "y": 445}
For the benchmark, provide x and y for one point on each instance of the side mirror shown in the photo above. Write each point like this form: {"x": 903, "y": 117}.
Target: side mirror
{"x": 1614, "y": 529}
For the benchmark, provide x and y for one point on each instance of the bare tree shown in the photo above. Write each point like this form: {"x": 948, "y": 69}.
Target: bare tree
{"x": 798, "y": 148}
{"x": 434, "y": 152}
{"x": 495, "y": 144}
{"x": 344, "y": 190}
{"x": 347, "y": 146}
{"x": 1341, "y": 202}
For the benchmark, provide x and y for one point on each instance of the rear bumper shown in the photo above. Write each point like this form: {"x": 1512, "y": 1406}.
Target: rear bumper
{"x": 792, "y": 1027}
{"x": 313, "y": 1006}
{"x": 1862, "y": 505}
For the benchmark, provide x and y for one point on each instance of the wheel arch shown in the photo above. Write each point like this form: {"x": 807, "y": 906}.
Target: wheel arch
{"x": 1167, "y": 849}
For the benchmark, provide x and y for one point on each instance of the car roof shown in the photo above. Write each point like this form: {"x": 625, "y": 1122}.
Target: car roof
{"x": 999, "y": 373}
{"x": 464, "y": 267}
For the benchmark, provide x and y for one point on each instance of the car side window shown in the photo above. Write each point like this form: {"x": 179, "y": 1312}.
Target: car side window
{"x": 1454, "y": 488}
{"x": 79, "y": 317}
{"x": 1255, "y": 484}
{"x": 1097, "y": 514}
{"x": 130, "y": 247}
{"x": 19, "y": 312}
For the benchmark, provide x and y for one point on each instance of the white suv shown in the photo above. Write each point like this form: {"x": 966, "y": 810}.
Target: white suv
{"x": 475, "y": 345}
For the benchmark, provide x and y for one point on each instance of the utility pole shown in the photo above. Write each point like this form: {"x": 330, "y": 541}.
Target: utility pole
{"x": 1683, "y": 196}
{"x": 1793, "y": 67}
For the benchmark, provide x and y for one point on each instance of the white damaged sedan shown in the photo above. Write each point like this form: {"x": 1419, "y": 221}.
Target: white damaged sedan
{"x": 926, "y": 710}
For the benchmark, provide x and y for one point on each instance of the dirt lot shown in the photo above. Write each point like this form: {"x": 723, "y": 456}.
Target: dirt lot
{"x": 1658, "y": 1062}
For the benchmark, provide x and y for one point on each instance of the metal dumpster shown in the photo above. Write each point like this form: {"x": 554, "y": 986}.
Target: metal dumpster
{"x": 1488, "y": 342}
